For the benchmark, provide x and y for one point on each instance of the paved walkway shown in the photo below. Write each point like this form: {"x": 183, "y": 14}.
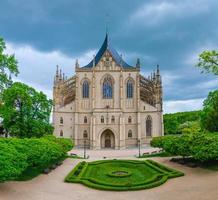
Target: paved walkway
{"x": 197, "y": 184}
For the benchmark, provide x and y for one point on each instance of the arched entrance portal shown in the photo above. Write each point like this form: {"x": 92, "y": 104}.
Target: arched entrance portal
{"x": 107, "y": 139}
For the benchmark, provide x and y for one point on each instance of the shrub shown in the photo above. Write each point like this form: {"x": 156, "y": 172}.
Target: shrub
{"x": 205, "y": 147}
{"x": 65, "y": 143}
{"x": 17, "y": 155}
{"x": 157, "y": 142}
{"x": 170, "y": 144}
{"x": 184, "y": 144}
{"x": 12, "y": 162}
{"x": 200, "y": 146}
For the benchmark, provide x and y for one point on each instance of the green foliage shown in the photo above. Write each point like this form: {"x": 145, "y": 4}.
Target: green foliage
{"x": 208, "y": 62}
{"x": 174, "y": 122}
{"x": 170, "y": 144}
{"x": 209, "y": 116}
{"x": 8, "y": 65}
{"x": 201, "y": 146}
{"x": 157, "y": 142}
{"x": 12, "y": 162}
{"x": 205, "y": 147}
{"x": 65, "y": 143}
{"x": 190, "y": 127}
{"x": 25, "y": 112}
{"x": 139, "y": 174}
{"x": 18, "y": 156}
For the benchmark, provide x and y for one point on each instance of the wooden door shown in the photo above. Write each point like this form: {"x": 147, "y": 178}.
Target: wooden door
{"x": 107, "y": 143}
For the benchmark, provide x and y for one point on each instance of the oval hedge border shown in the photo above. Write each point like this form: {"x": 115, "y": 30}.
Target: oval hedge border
{"x": 140, "y": 174}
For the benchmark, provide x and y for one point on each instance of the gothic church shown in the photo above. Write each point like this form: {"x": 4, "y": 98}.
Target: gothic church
{"x": 108, "y": 103}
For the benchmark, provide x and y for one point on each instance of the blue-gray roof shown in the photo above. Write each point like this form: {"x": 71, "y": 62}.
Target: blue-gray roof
{"x": 107, "y": 46}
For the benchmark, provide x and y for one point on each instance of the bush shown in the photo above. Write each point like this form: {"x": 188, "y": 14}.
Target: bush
{"x": 17, "y": 155}
{"x": 65, "y": 143}
{"x": 201, "y": 146}
{"x": 12, "y": 162}
{"x": 205, "y": 147}
{"x": 157, "y": 142}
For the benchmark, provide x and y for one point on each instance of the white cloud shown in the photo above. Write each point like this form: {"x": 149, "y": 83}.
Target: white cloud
{"x": 168, "y": 78}
{"x": 156, "y": 12}
{"x": 192, "y": 57}
{"x": 182, "y": 105}
{"x": 38, "y": 68}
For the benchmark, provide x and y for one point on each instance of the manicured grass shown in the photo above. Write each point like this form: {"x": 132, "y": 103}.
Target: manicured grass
{"x": 121, "y": 175}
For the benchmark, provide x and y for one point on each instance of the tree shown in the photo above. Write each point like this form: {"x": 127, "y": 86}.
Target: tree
{"x": 8, "y": 66}
{"x": 209, "y": 116}
{"x": 25, "y": 111}
{"x": 208, "y": 62}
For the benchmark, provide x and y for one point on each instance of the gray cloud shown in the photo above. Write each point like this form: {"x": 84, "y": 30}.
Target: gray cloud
{"x": 171, "y": 33}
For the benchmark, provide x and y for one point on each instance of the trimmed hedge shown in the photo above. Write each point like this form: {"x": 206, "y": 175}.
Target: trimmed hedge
{"x": 200, "y": 146}
{"x": 141, "y": 174}
{"x": 18, "y": 155}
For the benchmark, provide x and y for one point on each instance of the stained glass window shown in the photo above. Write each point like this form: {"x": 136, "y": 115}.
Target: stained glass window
{"x": 107, "y": 88}
{"x": 85, "y": 89}
{"x": 148, "y": 126}
{"x": 129, "y": 89}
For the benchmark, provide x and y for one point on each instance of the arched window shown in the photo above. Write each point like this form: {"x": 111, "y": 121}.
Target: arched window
{"x": 102, "y": 119}
{"x": 149, "y": 126}
{"x": 107, "y": 88}
{"x": 85, "y": 89}
{"x": 61, "y": 120}
{"x": 85, "y": 120}
{"x": 112, "y": 119}
{"x": 129, "y": 89}
{"x": 85, "y": 134}
{"x": 129, "y": 133}
{"x": 61, "y": 133}
{"x": 129, "y": 119}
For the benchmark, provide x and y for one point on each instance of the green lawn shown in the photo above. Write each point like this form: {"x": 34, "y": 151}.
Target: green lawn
{"x": 121, "y": 174}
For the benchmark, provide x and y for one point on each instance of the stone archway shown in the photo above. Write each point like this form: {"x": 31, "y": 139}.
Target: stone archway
{"x": 107, "y": 139}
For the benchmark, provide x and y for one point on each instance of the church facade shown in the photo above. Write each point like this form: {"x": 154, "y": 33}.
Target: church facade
{"x": 108, "y": 103}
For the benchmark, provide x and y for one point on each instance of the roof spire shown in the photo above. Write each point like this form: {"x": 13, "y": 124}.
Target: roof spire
{"x": 107, "y": 23}
{"x": 158, "y": 70}
{"x": 138, "y": 63}
{"x": 77, "y": 64}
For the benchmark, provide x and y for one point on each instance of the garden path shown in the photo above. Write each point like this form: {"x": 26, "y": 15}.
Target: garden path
{"x": 197, "y": 184}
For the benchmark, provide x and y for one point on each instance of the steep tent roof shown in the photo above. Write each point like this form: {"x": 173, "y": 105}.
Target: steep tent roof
{"x": 107, "y": 46}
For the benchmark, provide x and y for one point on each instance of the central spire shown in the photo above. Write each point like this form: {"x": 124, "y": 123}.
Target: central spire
{"x": 106, "y": 46}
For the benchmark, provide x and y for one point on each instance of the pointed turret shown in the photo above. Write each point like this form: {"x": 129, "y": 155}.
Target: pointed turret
{"x": 138, "y": 63}
{"x": 154, "y": 76}
{"x": 56, "y": 77}
{"x": 77, "y": 64}
{"x": 158, "y": 77}
{"x": 60, "y": 75}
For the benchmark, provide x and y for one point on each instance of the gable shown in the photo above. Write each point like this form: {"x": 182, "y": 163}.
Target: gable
{"x": 107, "y": 48}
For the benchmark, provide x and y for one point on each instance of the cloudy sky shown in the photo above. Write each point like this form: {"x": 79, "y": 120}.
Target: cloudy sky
{"x": 171, "y": 33}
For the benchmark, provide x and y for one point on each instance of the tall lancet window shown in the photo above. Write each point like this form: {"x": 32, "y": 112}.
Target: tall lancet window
{"x": 85, "y": 89}
{"x": 129, "y": 89}
{"x": 107, "y": 88}
{"x": 149, "y": 126}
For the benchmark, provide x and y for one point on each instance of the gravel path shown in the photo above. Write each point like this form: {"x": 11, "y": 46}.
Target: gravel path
{"x": 197, "y": 184}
